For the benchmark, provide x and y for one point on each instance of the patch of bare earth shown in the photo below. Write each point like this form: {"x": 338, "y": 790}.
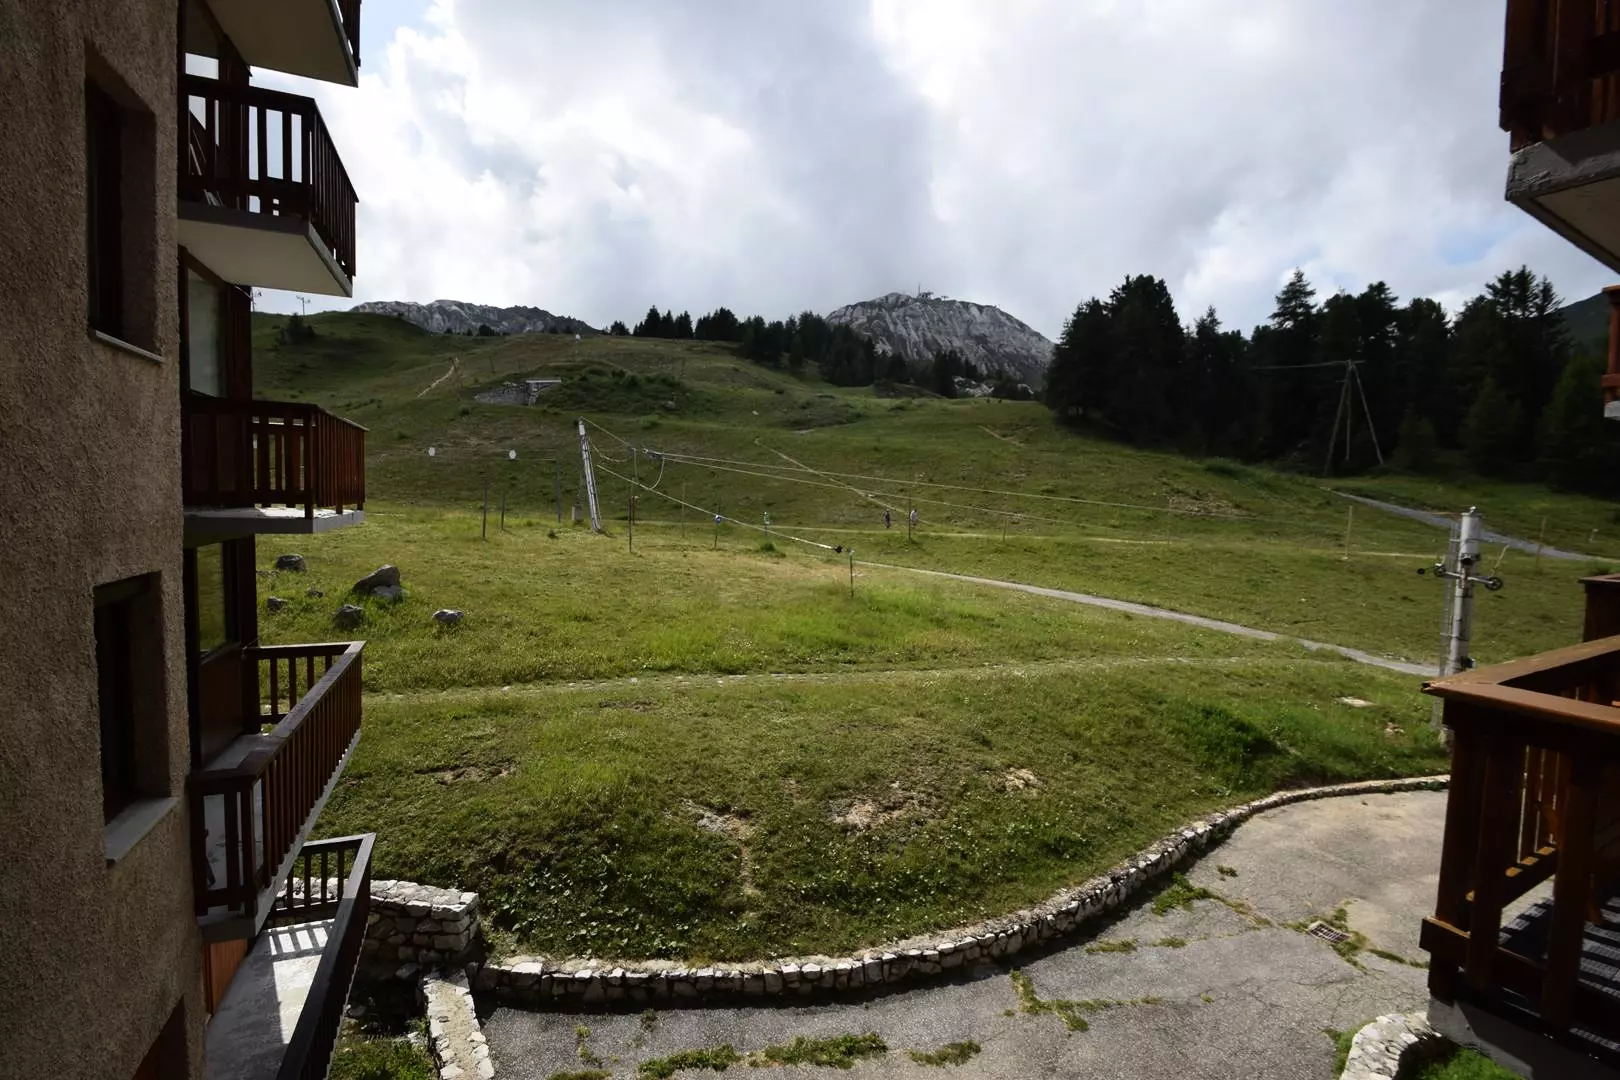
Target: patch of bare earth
{"x": 1202, "y": 503}
{"x": 861, "y": 814}
{"x": 733, "y": 827}
{"x": 462, "y": 774}
{"x": 1014, "y": 780}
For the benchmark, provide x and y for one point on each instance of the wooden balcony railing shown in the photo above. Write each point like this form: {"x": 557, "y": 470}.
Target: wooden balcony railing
{"x": 270, "y": 453}
{"x": 343, "y": 895}
{"x": 266, "y": 152}
{"x": 264, "y": 802}
{"x": 1535, "y": 795}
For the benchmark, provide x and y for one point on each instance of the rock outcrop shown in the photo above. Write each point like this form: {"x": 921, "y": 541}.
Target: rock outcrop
{"x": 459, "y": 317}
{"x": 918, "y": 326}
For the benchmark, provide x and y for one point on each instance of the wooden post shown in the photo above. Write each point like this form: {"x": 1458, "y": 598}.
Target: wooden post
{"x": 1349, "y": 523}
{"x": 912, "y": 509}
{"x": 717, "y": 532}
{"x": 1540, "y": 539}
{"x": 632, "y": 528}
{"x": 556, "y": 482}
{"x": 1003, "y": 528}
{"x": 484, "y": 529}
{"x": 503, "y": 510}
{"x": 681, "y": 509}
{"x": 852, "y": 573}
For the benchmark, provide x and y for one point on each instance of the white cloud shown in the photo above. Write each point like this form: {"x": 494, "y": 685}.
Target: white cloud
{"x": 597, "y": 158}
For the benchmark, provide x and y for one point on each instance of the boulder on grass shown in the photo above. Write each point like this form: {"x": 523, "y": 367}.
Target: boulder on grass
{"x": 391, "y": 593}
{"x": 274, "y": 603}
{"x": 313, "y": 593}
{"x": 295, "y": 563}
{"x": 348, "y": 617}
{"x": 382, "y": 577}
{"x": 448, "y": 617}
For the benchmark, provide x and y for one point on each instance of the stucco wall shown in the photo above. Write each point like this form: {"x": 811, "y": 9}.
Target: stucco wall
{"x": 97, "y": 958}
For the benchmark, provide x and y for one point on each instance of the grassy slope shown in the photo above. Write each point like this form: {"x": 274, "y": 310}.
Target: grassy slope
{"x": 490, "y": 761}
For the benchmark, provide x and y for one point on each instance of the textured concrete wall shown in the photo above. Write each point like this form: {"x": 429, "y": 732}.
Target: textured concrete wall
{"x": 98, "y": 958}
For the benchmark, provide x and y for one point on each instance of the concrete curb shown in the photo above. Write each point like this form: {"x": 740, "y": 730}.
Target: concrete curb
{"x": 539, "y": 980}
{"x": 1389, "y": 1044}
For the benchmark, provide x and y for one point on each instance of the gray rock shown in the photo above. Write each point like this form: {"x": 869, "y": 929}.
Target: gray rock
{"x": 295, "y": 563}
{"x": 348, "y": 617}
{"x": 448, "y": 617}
{"x": 274, "y": 603}
{"x": 383, "y": 576}
{"x": 313, "y": 593}
{"x": 391, "y": 593}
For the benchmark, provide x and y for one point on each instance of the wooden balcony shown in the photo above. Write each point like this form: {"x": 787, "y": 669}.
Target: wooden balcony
{"x": 1560, "y": 104}
{"x": 256, "y": 800}
{"x": 264, "y": 197}
{"x": 1535, "y": 798}
{"x": 280, "y": 1017}
{"x": 269, "y": 466}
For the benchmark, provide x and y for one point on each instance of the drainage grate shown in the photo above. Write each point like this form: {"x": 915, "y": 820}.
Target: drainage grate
{"x": 1327, "y": 933}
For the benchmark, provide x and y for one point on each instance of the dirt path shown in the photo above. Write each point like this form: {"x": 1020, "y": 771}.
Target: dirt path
{"x": 1403, "y": 666}
{"x": 1443, "y": 521}
{"x": 1218, "y": 989}
{"x": 455, "y": 362}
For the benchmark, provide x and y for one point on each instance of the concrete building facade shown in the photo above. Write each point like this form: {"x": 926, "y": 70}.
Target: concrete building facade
{"x": 103, "y": 924}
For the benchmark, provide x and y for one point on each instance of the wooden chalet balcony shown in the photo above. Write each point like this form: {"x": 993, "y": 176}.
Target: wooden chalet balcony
{"x": 1560, "y": 104}
{"x": 280, "y": 1017}
{"x": 256, "y": 801}
{"x": 269, "y": 466}
{"x": 1535, "y": 798}
{"x": 264, "y": 197}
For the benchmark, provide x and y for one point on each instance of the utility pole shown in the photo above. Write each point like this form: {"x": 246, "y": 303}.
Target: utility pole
{"x": 1459, "y": 626}
{"x": 1345, "y": 411}
{"x": 590, "y": 477}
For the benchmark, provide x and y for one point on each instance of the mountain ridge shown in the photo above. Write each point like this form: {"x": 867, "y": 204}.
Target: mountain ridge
{"x": 462, "y": 317}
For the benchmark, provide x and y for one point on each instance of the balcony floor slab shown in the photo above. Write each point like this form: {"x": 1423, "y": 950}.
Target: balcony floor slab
{"x": 205, "y": 523}
{"x": 248, "y": 1037}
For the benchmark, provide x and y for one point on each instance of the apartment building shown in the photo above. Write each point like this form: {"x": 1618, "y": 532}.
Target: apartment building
{"x": 163, "y": 912}
{"x": 1524, "y": 943}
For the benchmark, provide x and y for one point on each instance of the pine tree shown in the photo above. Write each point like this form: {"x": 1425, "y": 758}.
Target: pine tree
{"x": 682, "y": 326}
{"x": 1415, "y": 443}
{"x": 1579, "y": 448}
{"x": 1490, "y": 433}
{"x": 1077, "y": 379}
{"x": 618, "y": 329}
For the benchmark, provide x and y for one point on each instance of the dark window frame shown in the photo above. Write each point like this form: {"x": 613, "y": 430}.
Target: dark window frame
{"x": 104, "y": 211}
{"x": 124, "y": 614}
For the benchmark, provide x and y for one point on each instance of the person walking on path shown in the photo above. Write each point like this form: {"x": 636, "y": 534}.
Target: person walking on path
{"x": 914, "y": 517}
{"x": 888, "y": 522}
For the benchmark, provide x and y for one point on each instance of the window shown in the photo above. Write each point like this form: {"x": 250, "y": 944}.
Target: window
{"x": 203, "y": 335}
{"x": 104, "y": 218}
{"x": 213, "y": 577}
{"x": 128, "y": 693}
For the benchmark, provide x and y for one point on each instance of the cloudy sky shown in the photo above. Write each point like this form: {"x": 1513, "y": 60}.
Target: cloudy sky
{"x": 593, "y": 158}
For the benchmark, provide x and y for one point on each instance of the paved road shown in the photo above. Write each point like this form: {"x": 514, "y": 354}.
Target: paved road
{"x": 1243, "y": 997}
{"x": 1403, "y": 666}
{"x": 1441, "y": 521}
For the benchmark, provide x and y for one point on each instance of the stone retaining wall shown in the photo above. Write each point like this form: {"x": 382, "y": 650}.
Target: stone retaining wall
{"x": 460, "y": 1050}
{"x": 1388, "y": 1044}
{"x": 540, "y": 980}
{"x": 412, "y": 927}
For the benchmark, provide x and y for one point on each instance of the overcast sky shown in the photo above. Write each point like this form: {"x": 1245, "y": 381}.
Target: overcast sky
{"x": 593, "y": 158}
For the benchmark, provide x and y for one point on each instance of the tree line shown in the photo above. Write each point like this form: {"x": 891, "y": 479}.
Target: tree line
{"x": 839, "y": 354}
{"x": 1500, "y": 385}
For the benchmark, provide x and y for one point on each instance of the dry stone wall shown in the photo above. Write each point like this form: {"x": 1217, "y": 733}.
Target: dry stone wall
{"x": 414, "y": 927}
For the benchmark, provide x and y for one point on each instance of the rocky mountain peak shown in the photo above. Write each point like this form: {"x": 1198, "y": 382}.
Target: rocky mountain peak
{"x": 916, "y": 325}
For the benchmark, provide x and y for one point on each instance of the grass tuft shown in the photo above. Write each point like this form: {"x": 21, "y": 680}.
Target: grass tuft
{"x": 1180, "y": 893}
{"x": 718, "y": 1058}
{"x": 837, "y": 1051}
{"x": 956, "y": 1053}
